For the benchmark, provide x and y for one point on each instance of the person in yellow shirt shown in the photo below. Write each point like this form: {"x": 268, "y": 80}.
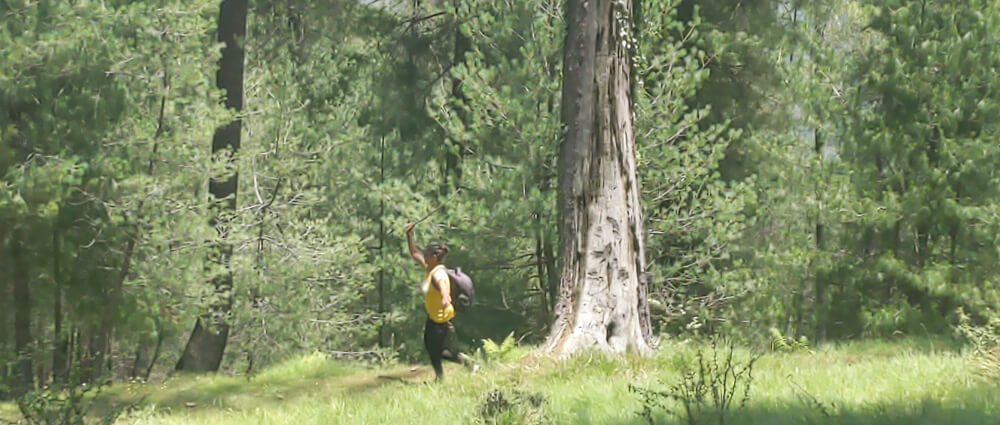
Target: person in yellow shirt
{"x": 437, "y": 301}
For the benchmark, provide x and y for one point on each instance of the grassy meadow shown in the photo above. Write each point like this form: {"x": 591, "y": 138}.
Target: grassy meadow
{"x": 905, "y": 382}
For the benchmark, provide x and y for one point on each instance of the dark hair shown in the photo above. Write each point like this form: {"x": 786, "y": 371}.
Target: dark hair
{"x": 436, "y": 249}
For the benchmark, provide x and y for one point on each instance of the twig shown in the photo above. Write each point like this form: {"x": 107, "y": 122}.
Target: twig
{"x": 810, "y": 399}
{"x": 415, "y": 20}
{"x": 443, "y": 203}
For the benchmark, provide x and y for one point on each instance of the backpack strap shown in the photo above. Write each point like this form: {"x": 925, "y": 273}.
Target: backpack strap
{"x": 434, "y": 281}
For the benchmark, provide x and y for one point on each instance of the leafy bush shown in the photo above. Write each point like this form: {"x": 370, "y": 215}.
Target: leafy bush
{"x": 780, "y": 342}
{"x": 67, "y": 404}
{"x": 707, "y": 390}
{"x": 491, "y": 351}
{"x": 986, "y": 340}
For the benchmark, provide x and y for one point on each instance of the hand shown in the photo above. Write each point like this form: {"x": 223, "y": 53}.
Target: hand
{"x": 445, "y": 300}
{"x": 409, "y": 227}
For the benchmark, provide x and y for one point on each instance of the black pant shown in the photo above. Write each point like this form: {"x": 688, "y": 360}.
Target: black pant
{"x": 435, "y": 336}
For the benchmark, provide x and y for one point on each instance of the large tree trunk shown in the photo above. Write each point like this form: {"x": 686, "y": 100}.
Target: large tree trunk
{"x": 204, "y": 349}
{"x": 602, "y": 288}
{"x": 22, "y": 315}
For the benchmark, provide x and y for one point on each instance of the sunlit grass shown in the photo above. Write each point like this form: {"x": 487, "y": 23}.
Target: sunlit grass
{"x": 861, "y": 383}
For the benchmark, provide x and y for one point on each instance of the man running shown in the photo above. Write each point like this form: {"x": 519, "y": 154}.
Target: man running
{"x": 437, "y": 300}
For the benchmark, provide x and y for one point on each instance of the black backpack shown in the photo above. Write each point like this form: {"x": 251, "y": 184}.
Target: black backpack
{"x": 462, "y": 291}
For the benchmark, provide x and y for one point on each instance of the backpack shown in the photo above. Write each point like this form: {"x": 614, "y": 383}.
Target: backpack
{"x": 461, "y": 289}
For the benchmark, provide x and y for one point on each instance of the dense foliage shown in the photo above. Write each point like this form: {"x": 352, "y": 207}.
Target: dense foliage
{"x": 824, "y": 169}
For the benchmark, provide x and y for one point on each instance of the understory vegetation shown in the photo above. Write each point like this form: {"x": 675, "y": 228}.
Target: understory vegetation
{"x": 900, "y": 382}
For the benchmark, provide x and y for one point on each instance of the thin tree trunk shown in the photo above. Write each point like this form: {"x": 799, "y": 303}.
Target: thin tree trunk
{"x": 60, "y": 342}
{"x": 551, "y": 273}
{"x": 453, "y": 157}
{"x": 77, "y": 359}
{"x": 22, "y": 316}
{"x": 101, "y": 349}
{"x": 5, "y": 297}
{"x": 133, "y": 371}
{"x": 602, "y": 287}
{"x": 953, "y": 233}
{"x": 103, "y": 343}
{"x": 156, "y": 351}
{"x": 819, "y": 287}
{"x": 540, "y": 265}
{"x": 381, "y": 246}
{"x": 207, "y": 344}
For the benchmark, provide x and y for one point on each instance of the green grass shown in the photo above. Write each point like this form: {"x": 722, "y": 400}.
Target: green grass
{"x": 861, "y": 383}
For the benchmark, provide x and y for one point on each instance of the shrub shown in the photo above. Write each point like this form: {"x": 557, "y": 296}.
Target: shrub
{"x": 707, "y": 391}
{"x": 986, "y": 340}
{"x": 780, "y": 342}
{"x": 67, "y": 404}
{"x": 512, "y": 408}
{"x": 491, "y": 351}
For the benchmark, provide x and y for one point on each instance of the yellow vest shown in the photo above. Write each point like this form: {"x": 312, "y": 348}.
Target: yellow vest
{"x": 432, "y": 297}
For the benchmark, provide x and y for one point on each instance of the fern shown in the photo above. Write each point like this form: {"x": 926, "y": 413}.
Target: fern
{"x": 780, "y": 342}
{"x": 493, "y": 351}
{"x": 508, "y": 344}
{"x": 490, "y": 348}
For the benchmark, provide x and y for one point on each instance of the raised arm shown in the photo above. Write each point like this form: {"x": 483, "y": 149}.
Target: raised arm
{"x": 414, "y": 252}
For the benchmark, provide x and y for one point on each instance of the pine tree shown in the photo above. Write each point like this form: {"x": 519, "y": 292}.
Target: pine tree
{"x": 207, "y": 344}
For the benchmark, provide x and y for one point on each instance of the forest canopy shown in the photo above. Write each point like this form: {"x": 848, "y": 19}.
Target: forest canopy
{"x": 206, "y": 186}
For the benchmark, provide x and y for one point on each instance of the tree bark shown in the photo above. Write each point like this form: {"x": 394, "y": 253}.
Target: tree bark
{"x": 602, "y": 287}
{"x": 205, "y": 347}
{"x": 22, "y": 316}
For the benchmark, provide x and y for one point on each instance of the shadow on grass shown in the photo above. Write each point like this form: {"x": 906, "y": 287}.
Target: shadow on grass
{"x": 895, "y": 346}
{"x": 224, "y": 392}
{"x": 976, "y": 406}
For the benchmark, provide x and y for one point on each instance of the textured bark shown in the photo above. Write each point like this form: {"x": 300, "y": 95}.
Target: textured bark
{"x": 602, "y": 286}
{"x": 205, "y": 347}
